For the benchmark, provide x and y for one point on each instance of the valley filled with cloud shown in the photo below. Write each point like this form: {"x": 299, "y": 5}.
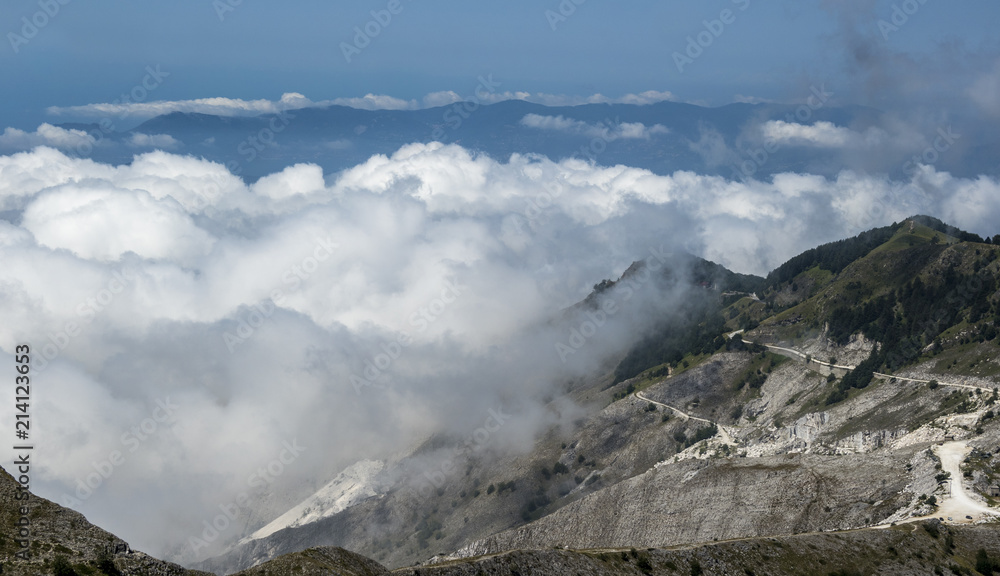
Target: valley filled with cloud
{"x": 177, "y": 309}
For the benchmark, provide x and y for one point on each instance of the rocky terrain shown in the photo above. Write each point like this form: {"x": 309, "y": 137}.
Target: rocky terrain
{"x": 913, "y": 550}
{"x": 60, "y": 536}
{"x": 324, "y": 561}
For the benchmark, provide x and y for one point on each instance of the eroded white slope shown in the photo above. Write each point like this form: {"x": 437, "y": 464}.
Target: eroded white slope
{"x": 355, "y": 484}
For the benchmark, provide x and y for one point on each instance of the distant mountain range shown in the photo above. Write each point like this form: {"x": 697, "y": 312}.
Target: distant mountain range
{"x": 664, "y": 137}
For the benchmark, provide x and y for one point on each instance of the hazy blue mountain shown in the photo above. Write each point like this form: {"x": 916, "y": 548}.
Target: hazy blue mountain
{"x": 337, "y": 137}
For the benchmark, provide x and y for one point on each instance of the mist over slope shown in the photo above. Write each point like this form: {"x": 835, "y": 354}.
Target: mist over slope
{"x": 796, "y": 429}
{"x": 235, "y": 340}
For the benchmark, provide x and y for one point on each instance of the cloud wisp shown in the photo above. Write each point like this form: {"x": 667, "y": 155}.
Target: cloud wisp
{"x": 606, "y": 131}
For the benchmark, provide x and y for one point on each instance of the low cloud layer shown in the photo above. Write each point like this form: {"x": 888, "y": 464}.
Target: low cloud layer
{"x": 821, "y": 135}
{"x": 45, "y": 135}
{"x": 195, "y": 325}
{"x": 602, "y": 131}
{"x": 295, "y": 101}
{"x": 158, "y": 141}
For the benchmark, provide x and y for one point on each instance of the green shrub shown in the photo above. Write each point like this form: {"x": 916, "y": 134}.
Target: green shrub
{"x": 106, "y": 564}
{"x": 62, "y": 567}
{"x": 986, "y": 565}
{"x": 643, "y": 564}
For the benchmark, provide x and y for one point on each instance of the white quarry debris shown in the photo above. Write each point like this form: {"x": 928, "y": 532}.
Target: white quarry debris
{"x": 357, "y": 483}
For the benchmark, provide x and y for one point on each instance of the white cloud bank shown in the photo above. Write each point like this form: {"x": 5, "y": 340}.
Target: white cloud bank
{"x": 253, "y": 310}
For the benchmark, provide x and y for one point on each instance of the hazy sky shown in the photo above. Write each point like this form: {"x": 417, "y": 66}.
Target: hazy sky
{"x": 96, "y": 50}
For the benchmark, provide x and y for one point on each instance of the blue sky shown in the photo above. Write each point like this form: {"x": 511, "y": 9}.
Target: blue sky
{"x": 93, "y": 51}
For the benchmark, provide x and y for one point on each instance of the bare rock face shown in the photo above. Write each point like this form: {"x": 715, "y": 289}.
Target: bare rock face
{"x": 58, "y": 532}
{"x": 915, "y": 550}
{"x": 696, "y": 501}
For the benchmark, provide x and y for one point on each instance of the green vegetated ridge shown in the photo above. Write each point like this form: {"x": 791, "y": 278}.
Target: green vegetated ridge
{"x": 919, "y": 288}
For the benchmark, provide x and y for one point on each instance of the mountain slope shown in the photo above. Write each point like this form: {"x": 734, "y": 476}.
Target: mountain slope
{"x": 901, "y": 551}
{"x": 925, "y": 290}
{"x": 355, "y": 484}
{"x": 318, "y": 562}
{"x": 730, "y": 439}
{"x": 57, "y": 532}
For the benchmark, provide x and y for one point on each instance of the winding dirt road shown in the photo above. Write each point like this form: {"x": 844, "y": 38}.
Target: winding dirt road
{"x": 954, "y": 508}
{"x": 723, "y": 433}
{"x": 793, "y": 352}
{"x": 959, "y": 504}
